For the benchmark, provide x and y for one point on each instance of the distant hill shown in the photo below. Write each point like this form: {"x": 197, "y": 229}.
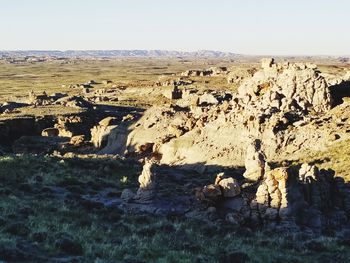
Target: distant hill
{"x": 117, "y": 53}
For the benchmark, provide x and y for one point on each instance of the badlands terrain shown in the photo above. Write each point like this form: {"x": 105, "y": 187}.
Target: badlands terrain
{"x": 174, "y": 159}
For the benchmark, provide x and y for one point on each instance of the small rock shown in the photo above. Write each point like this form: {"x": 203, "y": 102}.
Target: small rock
{"x": 230, "y": 187}
{"x": 77, "y": 140}
{"x": 212, "y": 191}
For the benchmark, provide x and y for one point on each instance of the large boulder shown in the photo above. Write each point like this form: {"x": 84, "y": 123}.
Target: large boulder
{"x": 224, "y": 188}
{"x": 229, "y": 186}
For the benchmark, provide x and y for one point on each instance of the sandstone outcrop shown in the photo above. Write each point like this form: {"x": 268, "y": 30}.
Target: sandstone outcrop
{"x": 147, "y": 180}
{"x": 300, "y": 197}
{"x": 39, "y": 100}
{"x": 212, "y": 71}
{"x": 273, "y": 106}
{"x": 296, "y": 88}
{"x": 173, "y": 93}
{"x": 101, "y": 132}
{"x": 74, "y": 102}
{"x": 237, "y": 75}
{"x": 254, "y": 162}
{"x": 286, "y": 198}
{"x": 69, "y": 126}
{"x": 77, "y": 140}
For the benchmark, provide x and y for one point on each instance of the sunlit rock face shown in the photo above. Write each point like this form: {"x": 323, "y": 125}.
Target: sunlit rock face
{"x": 286, "y": 198}
{"x": 275, "y": 105}
{"x": 305, "y": 197}
{"x": 101, "y": 132}
{"x": 147, "y": 180}
{"x": 254, "y": 162}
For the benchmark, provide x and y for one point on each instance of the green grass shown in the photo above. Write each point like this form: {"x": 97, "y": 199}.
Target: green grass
{"x": 31, "y": 214}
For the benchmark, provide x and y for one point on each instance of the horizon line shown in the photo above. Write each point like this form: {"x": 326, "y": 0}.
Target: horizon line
{"x": 173, "y": 50}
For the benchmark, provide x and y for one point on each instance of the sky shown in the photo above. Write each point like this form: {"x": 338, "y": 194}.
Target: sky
{"x": 255, "y": 27}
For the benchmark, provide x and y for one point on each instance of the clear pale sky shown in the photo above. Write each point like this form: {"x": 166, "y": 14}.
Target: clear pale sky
{"x": 263, "y": 27}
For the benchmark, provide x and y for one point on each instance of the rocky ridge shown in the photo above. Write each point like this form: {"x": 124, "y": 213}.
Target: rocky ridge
{"x": 279, "y": 106}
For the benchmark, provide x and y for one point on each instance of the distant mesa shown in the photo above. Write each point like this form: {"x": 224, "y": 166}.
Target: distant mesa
{"x": 117, "y": 53}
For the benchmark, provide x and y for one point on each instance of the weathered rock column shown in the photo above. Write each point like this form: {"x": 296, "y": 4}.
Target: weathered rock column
{"x": 255, "y": 161}
{"x": 147, "y": 180}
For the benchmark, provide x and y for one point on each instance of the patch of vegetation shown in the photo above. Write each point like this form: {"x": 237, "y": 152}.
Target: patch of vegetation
{"x": 336, "y": 157}
{"x": 44, "y": 217}
{"x": 18, "y": 79}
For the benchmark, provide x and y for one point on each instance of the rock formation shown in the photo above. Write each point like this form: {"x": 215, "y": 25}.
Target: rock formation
{"x": 254, "y": 162}
{"x": 77, "y": 140}
{"x": 273, "y": 106}
{"x": 229, "y": 187}
{"x": 303, "y": 197}
{"x": 288, "y": 107}
{"x": 100, "y": 132}
{"x": 212, "y": 71}
{"x": 69, "y": 126}
{"x": 39, "y": 100}
{"x": 147, "y": 180}
{"x": 74, "y": 102}
{"x": 224, "y": 188}
{"x": 271, "y": 197}
{"x": 289, "y": 198}
{"x": 174, "y": 93}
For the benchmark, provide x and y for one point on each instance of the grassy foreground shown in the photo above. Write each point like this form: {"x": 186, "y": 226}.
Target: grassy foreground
{"x": 45, "y": 219}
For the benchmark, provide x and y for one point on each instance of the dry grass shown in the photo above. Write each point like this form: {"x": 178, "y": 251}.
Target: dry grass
{"x": 336, "y": 157}
{"x": 17, "y": 79}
